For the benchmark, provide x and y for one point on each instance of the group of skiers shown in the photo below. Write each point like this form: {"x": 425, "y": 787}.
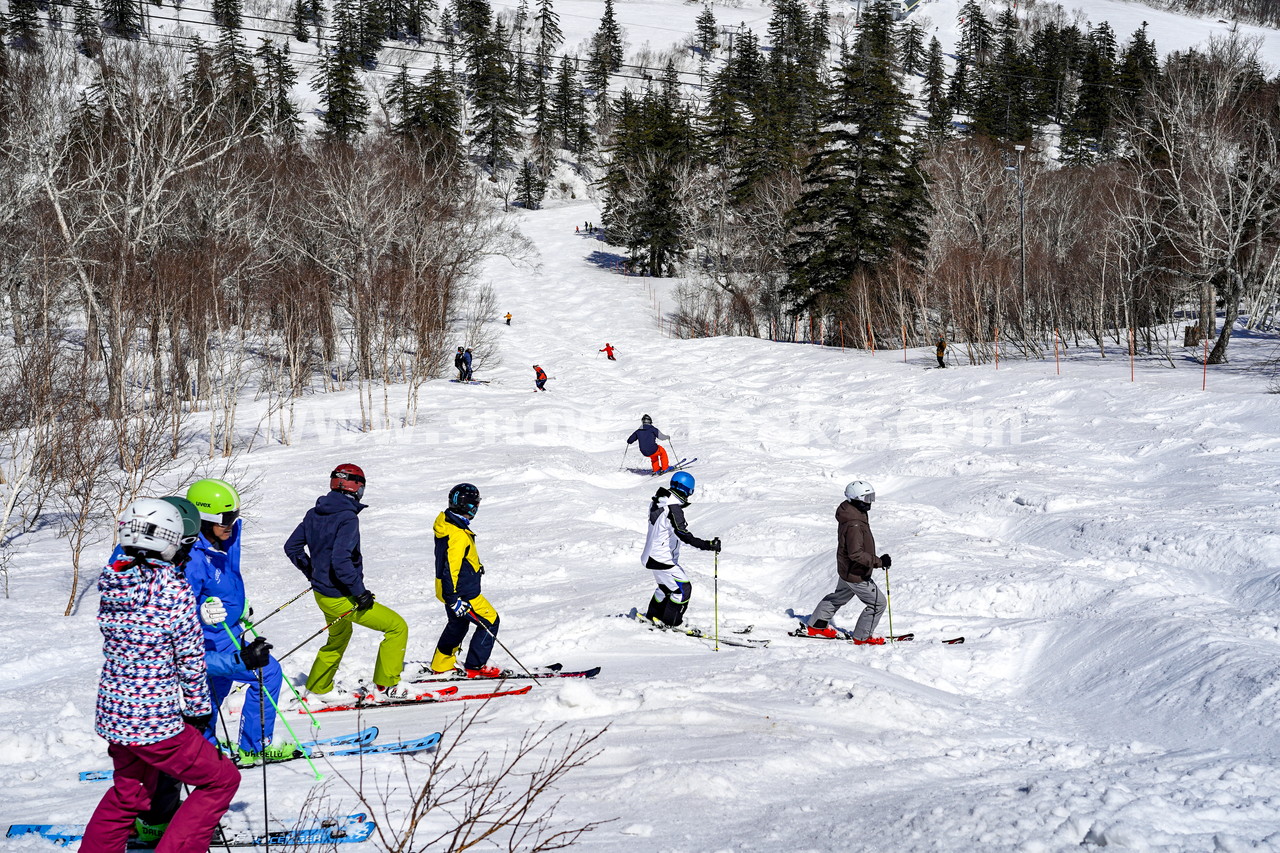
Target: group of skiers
{"x": 177, "y": 634}
{"x": 856, "y": 557}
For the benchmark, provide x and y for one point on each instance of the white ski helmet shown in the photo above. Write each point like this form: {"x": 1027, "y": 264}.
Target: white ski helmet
{"x": 860, "y": 490}
{"x": 150, "y": 524}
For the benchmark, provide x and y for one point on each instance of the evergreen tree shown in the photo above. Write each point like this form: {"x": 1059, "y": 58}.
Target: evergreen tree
{"x": 911, "y": 48}
{"x": 122, "y": 18}
{"x": 1139, "y": 64}
{"x": 705, "y": 36}
{"x": 937, "y": 107}
{"x": 276, "y": 80}
{"x": 608, "y": 38}
{"x": 494, "y": 131}
{"x": 345, "y": 105}
{"x": 958, "y": 94}
{"x": 1003, "y": 98}
{"x": 531, "y": 186}
{"x": 84, "y": 25}
{"x": 373, "y": 26}
{"x": 642, "y": 209}
{"x": 546, "y": 28}
{"x": 976, "y": 33}
{"x": 863, "y": 201}
{"x": 300, "y": 31}
{"x": 24, "y": 25}
{"x": 599, "y": 69}
{"x": 227, "y": 14}
{"x": 1087, "y": 135}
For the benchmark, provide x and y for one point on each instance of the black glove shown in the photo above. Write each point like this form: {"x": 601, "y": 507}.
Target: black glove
{"x": 715, "y": 544}
{"x": 364, "y": 600}
{"x": 256, "y": 654}
{"x": 886, "y": 560}
{"x": 200, "y": 721}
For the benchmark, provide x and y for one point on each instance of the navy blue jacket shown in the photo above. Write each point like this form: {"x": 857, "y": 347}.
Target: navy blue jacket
{"x": 648, "y": 437}
{"x": 326, "y": 546}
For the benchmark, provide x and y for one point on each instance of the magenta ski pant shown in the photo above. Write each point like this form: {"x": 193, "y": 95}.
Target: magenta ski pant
{"x": 187, "y": 757}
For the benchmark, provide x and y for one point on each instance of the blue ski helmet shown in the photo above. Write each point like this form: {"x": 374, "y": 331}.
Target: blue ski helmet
{"x": 464, "y": 499}
{"x": 682, "y": 484}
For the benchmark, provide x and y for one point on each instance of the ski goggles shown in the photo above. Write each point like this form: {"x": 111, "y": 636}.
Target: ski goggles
{"x": 223, "y": 519}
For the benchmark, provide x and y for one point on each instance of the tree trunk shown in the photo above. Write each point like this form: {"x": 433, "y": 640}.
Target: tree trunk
{"x": 1218, "y": 355}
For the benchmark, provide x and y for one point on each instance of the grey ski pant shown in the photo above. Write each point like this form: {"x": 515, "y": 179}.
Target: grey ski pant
{"x": 867, "y": 592}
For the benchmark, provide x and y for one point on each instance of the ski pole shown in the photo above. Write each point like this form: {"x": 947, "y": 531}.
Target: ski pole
{"x": 315, "y": 724}
{"x": 888, "y": 605}
{"x": 278, "y": 609}
{"x": 624, "y": 457}
{"x": 262, "y": 716}
{"x": 476, "y": 619}
{"x": 715, "y": 596}
{"x": 316, "y": 634}
{"x": 262, "y": 731}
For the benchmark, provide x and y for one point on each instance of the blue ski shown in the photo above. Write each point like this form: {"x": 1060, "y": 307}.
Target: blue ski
{"x": 364, "y": 736}
{"x": 350, "y": 829}
{"x": 679, "y": 466}
{"x": 400, "y": 747}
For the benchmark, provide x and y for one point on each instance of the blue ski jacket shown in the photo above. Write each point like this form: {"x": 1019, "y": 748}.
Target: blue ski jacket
{"x": 215, "y": 571}
{"x": 326, "y": 546}
{"x": 648, "y": 436}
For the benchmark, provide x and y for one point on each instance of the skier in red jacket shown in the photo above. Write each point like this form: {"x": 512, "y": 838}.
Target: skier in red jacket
{"x": 608, "y": 351}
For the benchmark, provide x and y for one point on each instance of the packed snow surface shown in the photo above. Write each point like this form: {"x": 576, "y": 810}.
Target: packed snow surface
{"x": 1108, "y": 548}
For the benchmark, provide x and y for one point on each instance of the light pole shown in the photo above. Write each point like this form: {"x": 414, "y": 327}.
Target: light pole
{"x": 1022, "y": 223}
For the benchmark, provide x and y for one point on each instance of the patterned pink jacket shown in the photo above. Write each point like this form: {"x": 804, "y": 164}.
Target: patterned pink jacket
{"x": 152, "y": 643}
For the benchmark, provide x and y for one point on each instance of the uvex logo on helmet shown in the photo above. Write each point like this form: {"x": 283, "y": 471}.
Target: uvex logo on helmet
{"x": 347, "y": 478}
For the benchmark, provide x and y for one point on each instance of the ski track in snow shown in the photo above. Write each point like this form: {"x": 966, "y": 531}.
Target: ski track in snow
{"x": 1108, "y": 548}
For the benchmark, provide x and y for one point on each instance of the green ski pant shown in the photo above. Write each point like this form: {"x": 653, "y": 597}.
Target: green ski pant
{"x": 395, "y": 638}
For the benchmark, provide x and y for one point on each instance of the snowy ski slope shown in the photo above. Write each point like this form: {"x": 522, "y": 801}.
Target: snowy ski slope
{"x": 1109, "y": 548}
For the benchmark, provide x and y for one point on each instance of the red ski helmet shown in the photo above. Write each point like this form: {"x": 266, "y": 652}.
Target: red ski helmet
{"x": 347, "y": 478}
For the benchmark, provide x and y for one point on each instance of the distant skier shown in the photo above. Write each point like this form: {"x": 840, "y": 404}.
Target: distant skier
{"x": 941, "y": 351}
{"x": 458, "y": 572}
{"x": 466, "y": 359}
{"x": 153, "y": 697}
{"x": 508, "y": 318}
{"x": 460, "y": 364}
{"x": 539, "y": 378}
{"x": 649, "y": 435}
{"x": 608, "y": 351}
{"x": 855, "y": 561}
{"x": 667, "y": 529}
{"x": 326, "y": 548}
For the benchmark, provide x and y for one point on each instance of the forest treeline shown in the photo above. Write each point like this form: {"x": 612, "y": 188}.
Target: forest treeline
{"x": 173, "y": 234}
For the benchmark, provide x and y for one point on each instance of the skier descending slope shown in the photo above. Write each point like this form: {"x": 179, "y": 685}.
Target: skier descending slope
{"x": 855, "y": 560}
{"x": 153, "y": 698}
{"x": 649, "y": 435}
{"x": 214, "y": 575}
{"x": 458, "y": 571}
{"x": 667, "y": 529}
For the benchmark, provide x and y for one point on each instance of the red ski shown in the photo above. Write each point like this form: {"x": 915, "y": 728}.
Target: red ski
{"x": 429, "y": 697}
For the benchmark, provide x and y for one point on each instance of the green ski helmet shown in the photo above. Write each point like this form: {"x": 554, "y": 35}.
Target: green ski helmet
{"x": 190, "y": 517}
{"x": 217, "y": 500}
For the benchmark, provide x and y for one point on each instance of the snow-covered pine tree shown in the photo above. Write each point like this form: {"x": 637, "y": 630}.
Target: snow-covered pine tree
{"x": 863, "y": 202}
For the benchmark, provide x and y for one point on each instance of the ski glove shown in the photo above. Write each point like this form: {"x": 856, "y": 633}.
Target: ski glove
{"x": 256, "y": 654}
{"x": 460, "y": 608}
{"x": 212, "y": 612}
{"x": 886, "y": 560}
{"x": 199, "y": 721}
{"x": 715, "y": 544}
{"x": 364, "y": 600}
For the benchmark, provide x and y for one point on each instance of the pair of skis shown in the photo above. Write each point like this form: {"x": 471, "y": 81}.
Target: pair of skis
{"x": 427, "y": 697}
{"x": 356, "y": 743}
{"x": 842, "y": 634}
{"x": 556, "y": 670}
{"x": 679, "y": 466}
{"x": 730, "y": 638}
{"x": 347, "y": 829}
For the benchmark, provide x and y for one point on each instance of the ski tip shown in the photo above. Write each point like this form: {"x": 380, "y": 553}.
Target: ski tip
{"x": 955, "y": 641}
